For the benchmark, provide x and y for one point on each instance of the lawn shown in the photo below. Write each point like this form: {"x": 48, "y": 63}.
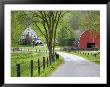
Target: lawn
{"x": 24, "y": 59}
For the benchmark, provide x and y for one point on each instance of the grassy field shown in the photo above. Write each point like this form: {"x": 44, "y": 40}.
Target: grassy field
{"x": 24, "y": 59}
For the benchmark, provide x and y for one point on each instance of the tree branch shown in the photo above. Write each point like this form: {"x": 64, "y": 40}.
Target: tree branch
{"x": 39, "y": 29}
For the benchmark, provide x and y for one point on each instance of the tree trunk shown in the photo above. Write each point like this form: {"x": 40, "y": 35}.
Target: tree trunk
{"x": 53, "y": 48}
{"x": 50, "y": 51}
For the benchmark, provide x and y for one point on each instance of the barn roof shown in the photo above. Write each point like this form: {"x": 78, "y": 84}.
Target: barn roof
{"x": 88, "y": 30}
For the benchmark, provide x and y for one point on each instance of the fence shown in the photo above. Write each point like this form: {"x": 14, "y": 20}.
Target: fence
{"x": 80, "y": 49}
{"x": 34, "y": 50}
{"x": 41, "y": 64}
{"x": 87, "y": 53}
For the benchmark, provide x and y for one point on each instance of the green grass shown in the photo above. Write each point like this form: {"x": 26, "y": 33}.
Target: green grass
{"x": 89, "y": 57}
{"x": 24, "y": 59}
{"x": 53, "y": 67}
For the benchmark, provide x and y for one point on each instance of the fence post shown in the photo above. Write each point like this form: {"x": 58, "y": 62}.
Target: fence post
{"x": 44, "y": 63}
{"x": 36, "y": 50}
{"x": 88, "y": 53}
{"x": 47, "y": 61}
{"x": 94, "y": 55}
{"x": 18, "y": 70}
{"x": 31, "y": 68}
{"x": 38, "y": 67}
{"x": 57, "y": 56}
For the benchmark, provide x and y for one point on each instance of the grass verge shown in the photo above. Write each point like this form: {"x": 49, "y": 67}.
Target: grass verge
{"x": 95, "y": 59}
{"x": 87, "y": 55}
{"x": 53, "y": 67}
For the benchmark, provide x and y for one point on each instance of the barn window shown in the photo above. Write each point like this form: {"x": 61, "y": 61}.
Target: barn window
{"x": 90, "y": 45}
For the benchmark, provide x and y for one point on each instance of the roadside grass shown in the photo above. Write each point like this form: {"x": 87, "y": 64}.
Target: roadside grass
{"x": 89, "y": 56}
{"x": 84, "y": 54}
{"x": 53, "y": 67}
{"x": 24, "y": 59}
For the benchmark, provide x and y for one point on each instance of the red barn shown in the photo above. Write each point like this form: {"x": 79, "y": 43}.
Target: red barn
{"x": 89, "y": 39}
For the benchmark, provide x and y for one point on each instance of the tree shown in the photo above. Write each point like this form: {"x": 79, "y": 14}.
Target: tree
{"x": 19, "y": 22}
{"x": 62, "y": 37}
{"x": 85, "y": 20}
{"x": 66, "y": 36}
{"x": 90, "y": 20}
{"x": 47, "y": 22}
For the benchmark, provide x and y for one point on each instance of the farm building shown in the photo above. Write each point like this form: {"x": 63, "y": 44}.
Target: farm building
{"x": 89, "y": 39}
{"x": 28, "y": 36}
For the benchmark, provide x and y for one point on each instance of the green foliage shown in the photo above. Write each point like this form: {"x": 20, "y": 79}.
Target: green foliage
{"x": 20, "y": 20}
{"x": 72, "y": 20}
{"x": 85, "y": 20}
{"x": 66, "y": 37}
